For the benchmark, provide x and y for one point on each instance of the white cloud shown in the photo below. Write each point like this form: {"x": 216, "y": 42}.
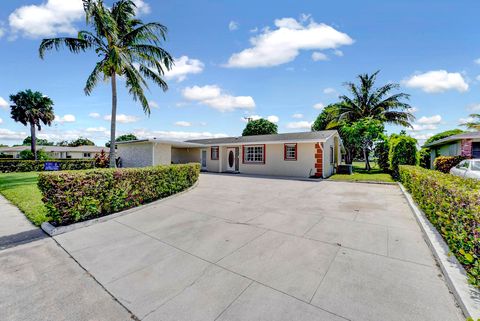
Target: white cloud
{"x": 421, "y": 136}
{"x": 3, "y": 103}
{"x": 7, "y": 134}
{"x": 273, "y": 118}
{"x": 1, "y": 121}
{"x": 53, "y": 17}
{"x": 233, "y": 25}
{"x": 477, "y": 61}
{"x": 184, "y": 66}
{"x": 319, "y": 106}
{"x": 466, "y": 120}
{"x": 338, "y": 53}
{"x": 176, "y": 135}
{"x": 298, "y": 116}
{"x": 329, "y": 91}
{"x": 303, "y": 124}
{"x": 182, "y": 123}
{"x": 2, "y": 32}
{"x": 436, "y": 119}
{"x": 282, "y": 45}
{"x": 153, "y": 104}
{"x": 94, "y": 115}
{"x": 419, "y": 127}
{"x": 212, "y": 96}
{"x": 122, "y": 118}
{"x": 477, "y": 78}
{"x": 412, "y": 110}
{"x": 474, "y": 107}
{"x": 437, "y": 81}
{"x": 317, "y": 56}
{"x": 254, "y": 30}
{"x": 47, "y": 19}
{"x": 96, "y": 130}
{"x": 68, "y": 118}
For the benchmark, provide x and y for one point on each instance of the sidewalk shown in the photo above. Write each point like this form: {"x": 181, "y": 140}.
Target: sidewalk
{"x": 40, "y": 281}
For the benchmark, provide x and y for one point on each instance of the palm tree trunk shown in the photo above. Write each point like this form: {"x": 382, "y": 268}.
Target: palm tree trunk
{"x": 113, "y": 121}
{"x": 33, "y": 144}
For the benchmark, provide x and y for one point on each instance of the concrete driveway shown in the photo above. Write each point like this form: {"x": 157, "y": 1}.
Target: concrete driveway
{"x": 245, "y": 248}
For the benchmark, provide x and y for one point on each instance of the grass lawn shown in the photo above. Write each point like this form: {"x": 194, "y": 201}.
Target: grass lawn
{"x": 21, "y": 189}
{"x": 360, "y": 174}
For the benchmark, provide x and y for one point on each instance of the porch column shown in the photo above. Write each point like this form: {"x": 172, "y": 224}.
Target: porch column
{"x": 466, "y": 148}
{"x": 220, "y": 149}
{"x": 319, "y": 159}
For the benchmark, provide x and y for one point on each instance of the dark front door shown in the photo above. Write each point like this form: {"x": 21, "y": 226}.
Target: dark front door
{"x": 476, "y": 150}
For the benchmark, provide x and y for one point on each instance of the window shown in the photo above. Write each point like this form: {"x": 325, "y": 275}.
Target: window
{"x": 331, "y": 155}
{"x": 254, "y": 154}
{"x": 86, "y": 154}
{"x": 290, "y": 152}
{"x": 214, "y": 152}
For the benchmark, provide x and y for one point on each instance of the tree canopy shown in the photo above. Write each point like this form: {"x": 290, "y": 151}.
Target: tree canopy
{"x": 81, "y": 141}
{"x": 443, "y": 135}
{"x": 40, "y": 141}
{"x": 123, "y": 138}
{"x": 260, "y": 127}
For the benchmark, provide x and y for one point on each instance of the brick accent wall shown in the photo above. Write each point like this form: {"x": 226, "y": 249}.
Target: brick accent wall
{"x": 466, "y": 147}
{"x": 318, "y": 160}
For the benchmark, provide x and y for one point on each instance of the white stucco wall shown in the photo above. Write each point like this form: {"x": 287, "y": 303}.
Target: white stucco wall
{"x": 185, "y": 155}
{"x": 162, "y": 154}
{"x": 329, "y": 160}
{"x": 135, "y": 155}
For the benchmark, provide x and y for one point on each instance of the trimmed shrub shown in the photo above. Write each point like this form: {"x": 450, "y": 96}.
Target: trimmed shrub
{"x": 445, "y": 163}
{"x": 381, "y": 152}
{"x": 424, "y": 158}
{"x": 19, "y": 165}
{"x": 452, "y": 205}
{"x": 77, "y": 196}
{"x": 403, "y": 151}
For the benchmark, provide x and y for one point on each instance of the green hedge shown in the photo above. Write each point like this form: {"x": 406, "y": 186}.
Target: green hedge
{"x": 452, "y": 204}
{"x": 74, "y": 196}
{"x": 20, "y": 165}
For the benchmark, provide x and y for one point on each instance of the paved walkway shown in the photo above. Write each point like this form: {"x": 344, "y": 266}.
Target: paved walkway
{"x": 239, "y": 248}
{"x": 39, "y": 281}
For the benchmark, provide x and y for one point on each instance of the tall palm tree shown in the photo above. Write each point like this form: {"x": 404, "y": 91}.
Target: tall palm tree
{"x": 369, "y": 101}
{"x": 32, "y": 108}
{"x": 126, "y": 47}
{"x": 474, "y": 123}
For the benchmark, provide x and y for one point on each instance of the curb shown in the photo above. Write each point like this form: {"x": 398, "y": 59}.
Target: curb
{"x": 56, "y": 230}
{"x": 467, "y": 296}
{"x": 362, "y": 182}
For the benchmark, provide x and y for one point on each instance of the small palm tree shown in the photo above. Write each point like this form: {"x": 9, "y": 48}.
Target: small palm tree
{"x": 474, "y": 123}
{"x": 32, "y": 108}
{"x": 368, "y": 101}
{"x": 127, "y": 48}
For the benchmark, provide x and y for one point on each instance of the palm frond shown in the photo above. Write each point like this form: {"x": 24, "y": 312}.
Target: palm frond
{"x": 75, "y": 45}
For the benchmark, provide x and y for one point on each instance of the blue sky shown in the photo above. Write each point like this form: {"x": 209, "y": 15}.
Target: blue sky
{"x": 236, "y": 59}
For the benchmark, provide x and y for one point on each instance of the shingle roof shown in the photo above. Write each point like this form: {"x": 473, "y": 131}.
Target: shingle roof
{"x": 469, "y": 135}
{"x": 302, "y": 136}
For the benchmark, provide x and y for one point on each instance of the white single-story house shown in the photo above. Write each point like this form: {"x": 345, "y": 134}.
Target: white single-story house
{"x": 304, "y": 154}
{"x": 58, "y": 152}
{"x": 465, "y": 144}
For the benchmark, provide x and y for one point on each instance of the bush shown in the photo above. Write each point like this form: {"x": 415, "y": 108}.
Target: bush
{"x": 445, "y": 163}
{"x": 381, "y": 152}
{"x": 28, "y": 155}
{"x": 19, "y": 165}
{"x": 403, "y": 151}
{"x": 77, "y": 196}
{"x": 424, "y": 158}
{"x": 452, "y": 205}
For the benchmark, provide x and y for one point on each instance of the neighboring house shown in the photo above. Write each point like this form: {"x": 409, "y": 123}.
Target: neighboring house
{"x": 466, "y": 144}
{"x": 58, "y": 152}
{"x": 304, "y": 154}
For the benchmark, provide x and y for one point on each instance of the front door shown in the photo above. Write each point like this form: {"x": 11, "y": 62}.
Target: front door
{"x": 231, "y": 160}
{"x": 476, "y": 150}
{"x": 204, "y": 159}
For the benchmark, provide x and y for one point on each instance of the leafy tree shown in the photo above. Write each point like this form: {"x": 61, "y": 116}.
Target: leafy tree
{"x": 403, "y": 151}
{"x": 475, "y": 123}
{"x": 81, "y": 141}
{"x": 368, "y": 101}
{"x": 63, "y": 143}
{"x": 363, "y": 133}
{"x": 39, "y": 141}
{"x": 326, "y": 119}
{"x": 123, "y": 138}
{"x": 32, "y": 108}
{"x": 126, "y": 48}
{"x": 260, "y": 127}
{"x": 382, "y": 149}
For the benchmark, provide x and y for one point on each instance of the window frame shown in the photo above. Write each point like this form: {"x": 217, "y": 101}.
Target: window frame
{"x": 285, "y": 156}
{"x": 244, "y": 154}
{"x": 217, "y": 148}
